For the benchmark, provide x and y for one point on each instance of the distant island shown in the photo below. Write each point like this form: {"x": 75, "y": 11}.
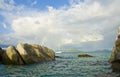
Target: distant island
{"x": 73, "y": 50}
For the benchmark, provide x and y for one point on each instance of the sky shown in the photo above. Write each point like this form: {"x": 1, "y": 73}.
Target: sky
{"x": 60, "y": 24}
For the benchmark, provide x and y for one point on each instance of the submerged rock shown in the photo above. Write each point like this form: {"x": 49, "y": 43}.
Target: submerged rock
{"x": 84, "y": 55}
{"x": 115, "y": 56}
{"x": 58, "y": 57}
{"x": 27, "y": 54}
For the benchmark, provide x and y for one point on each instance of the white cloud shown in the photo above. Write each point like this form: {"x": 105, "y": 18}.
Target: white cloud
{"x": 85, "y": 22}
{"x": 7, "y": 6}
{"x": 96, "y": 37}
{"x": 56, "y": 24}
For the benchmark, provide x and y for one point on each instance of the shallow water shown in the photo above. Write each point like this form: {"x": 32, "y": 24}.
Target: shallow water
{"x": 67, "y": 66}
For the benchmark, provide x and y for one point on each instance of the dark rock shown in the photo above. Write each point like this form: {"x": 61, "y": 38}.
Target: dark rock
{"x": 84, "y": 55}
{"x": 58, "y": 57}
{"x": 118, "y": 36}
{"x": 115, "y": 56}
{"x": 1, "y": 53}
{"x": 116, "y": 66}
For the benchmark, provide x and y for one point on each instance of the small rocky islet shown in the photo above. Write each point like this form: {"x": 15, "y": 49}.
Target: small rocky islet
{"x": 84, "y": 55}
{"x": 26, "y": 54}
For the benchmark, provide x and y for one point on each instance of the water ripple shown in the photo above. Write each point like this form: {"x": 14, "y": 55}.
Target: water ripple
{"x": 67, "y": 66}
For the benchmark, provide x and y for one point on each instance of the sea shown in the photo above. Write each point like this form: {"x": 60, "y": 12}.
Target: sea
{"x": 68, "y": 64}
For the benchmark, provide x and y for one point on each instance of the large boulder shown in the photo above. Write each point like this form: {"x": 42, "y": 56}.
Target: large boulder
{"x": 27, "y": 54}
{"x": 115, "y": 56}
{"x": 32, "y": 53}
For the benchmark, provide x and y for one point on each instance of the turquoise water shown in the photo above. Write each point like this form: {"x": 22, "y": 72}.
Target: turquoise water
{"x": 67, "y": 66}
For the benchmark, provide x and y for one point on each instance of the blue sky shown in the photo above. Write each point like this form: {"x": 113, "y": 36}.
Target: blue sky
{"x": 41, "y": 4}
{"x": 60, "y": 24}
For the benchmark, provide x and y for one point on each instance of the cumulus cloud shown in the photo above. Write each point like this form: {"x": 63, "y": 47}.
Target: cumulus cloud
{"x": 87, "y": 24}
{"x": 7, "y": 5}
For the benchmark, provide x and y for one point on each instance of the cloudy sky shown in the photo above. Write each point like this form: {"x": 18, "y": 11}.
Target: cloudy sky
{"x": 60, "y": 24}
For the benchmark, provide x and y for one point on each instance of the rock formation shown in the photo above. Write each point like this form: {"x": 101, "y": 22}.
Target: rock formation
{"x": 84, "y": 55}
{"x": 115, "y": 56}
{"x": 27, "y": 54}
